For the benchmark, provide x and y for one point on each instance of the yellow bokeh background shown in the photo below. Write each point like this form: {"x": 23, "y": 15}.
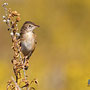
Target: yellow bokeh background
{"x": 61, "y": 60}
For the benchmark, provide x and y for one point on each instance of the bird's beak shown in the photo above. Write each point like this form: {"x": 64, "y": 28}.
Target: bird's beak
{"x": 37, "y": 25}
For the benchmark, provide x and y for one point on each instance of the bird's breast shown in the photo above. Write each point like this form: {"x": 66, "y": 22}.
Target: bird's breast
{"x": 28, "y": 41}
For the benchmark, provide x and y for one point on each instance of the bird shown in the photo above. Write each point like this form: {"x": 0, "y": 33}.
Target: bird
{"x": 28, "y": 38}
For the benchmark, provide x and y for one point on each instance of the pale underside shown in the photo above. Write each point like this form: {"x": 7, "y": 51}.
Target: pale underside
{"x": 28, "y": 43}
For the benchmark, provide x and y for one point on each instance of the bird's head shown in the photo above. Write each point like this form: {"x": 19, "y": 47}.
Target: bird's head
{"x": 29, "y": 26}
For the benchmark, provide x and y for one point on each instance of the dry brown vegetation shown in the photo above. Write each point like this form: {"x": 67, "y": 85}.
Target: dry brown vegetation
{"x": 20, "y": 63}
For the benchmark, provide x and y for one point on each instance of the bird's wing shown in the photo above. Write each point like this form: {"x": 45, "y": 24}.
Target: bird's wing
{"x": 29, "y": 55}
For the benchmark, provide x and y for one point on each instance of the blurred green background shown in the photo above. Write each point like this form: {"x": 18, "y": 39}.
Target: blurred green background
{"x": 61, "y": 60}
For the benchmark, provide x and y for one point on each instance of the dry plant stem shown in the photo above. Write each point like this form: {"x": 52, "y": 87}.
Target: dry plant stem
{"x": 17, "y": 87}
{"x": 23, "y": 64}
{"x": 13, "y": 36}
{"x": 5, "y": 8}
{"x": 6, "y": 14}
{"x": 19, "y": 62}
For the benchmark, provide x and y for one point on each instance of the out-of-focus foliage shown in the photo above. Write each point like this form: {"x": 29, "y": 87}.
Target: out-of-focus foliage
{"x": 61, "y": 60}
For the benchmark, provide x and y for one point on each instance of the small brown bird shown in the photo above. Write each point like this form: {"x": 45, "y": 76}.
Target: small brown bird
{"x": 28, "y": 38}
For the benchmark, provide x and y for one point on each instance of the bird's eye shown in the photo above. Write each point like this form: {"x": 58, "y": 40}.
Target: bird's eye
{"x": 29, "y": 25}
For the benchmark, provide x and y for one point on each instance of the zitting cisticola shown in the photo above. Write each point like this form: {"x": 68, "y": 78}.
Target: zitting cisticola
{"x": 28, "y": 38}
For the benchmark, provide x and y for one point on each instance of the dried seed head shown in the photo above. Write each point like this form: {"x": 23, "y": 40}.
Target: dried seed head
{"x": 9, "y": 15}
{"x": 11, "y": 34}
{"x": 5, "y": 4}
{"x": 18, "y": 34}
{"x": 4, "y": 17}
{"x": 9, "y": 10}
{"x": 15, "y": 13}
{"x": 8, "y": 20}
{"x": 36, "y": 82}
{"x": 18, "y": 19}
{"x": 26, "y": 67}
{"x": 9, "y": 81}
{"x": 4, "y": 20}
